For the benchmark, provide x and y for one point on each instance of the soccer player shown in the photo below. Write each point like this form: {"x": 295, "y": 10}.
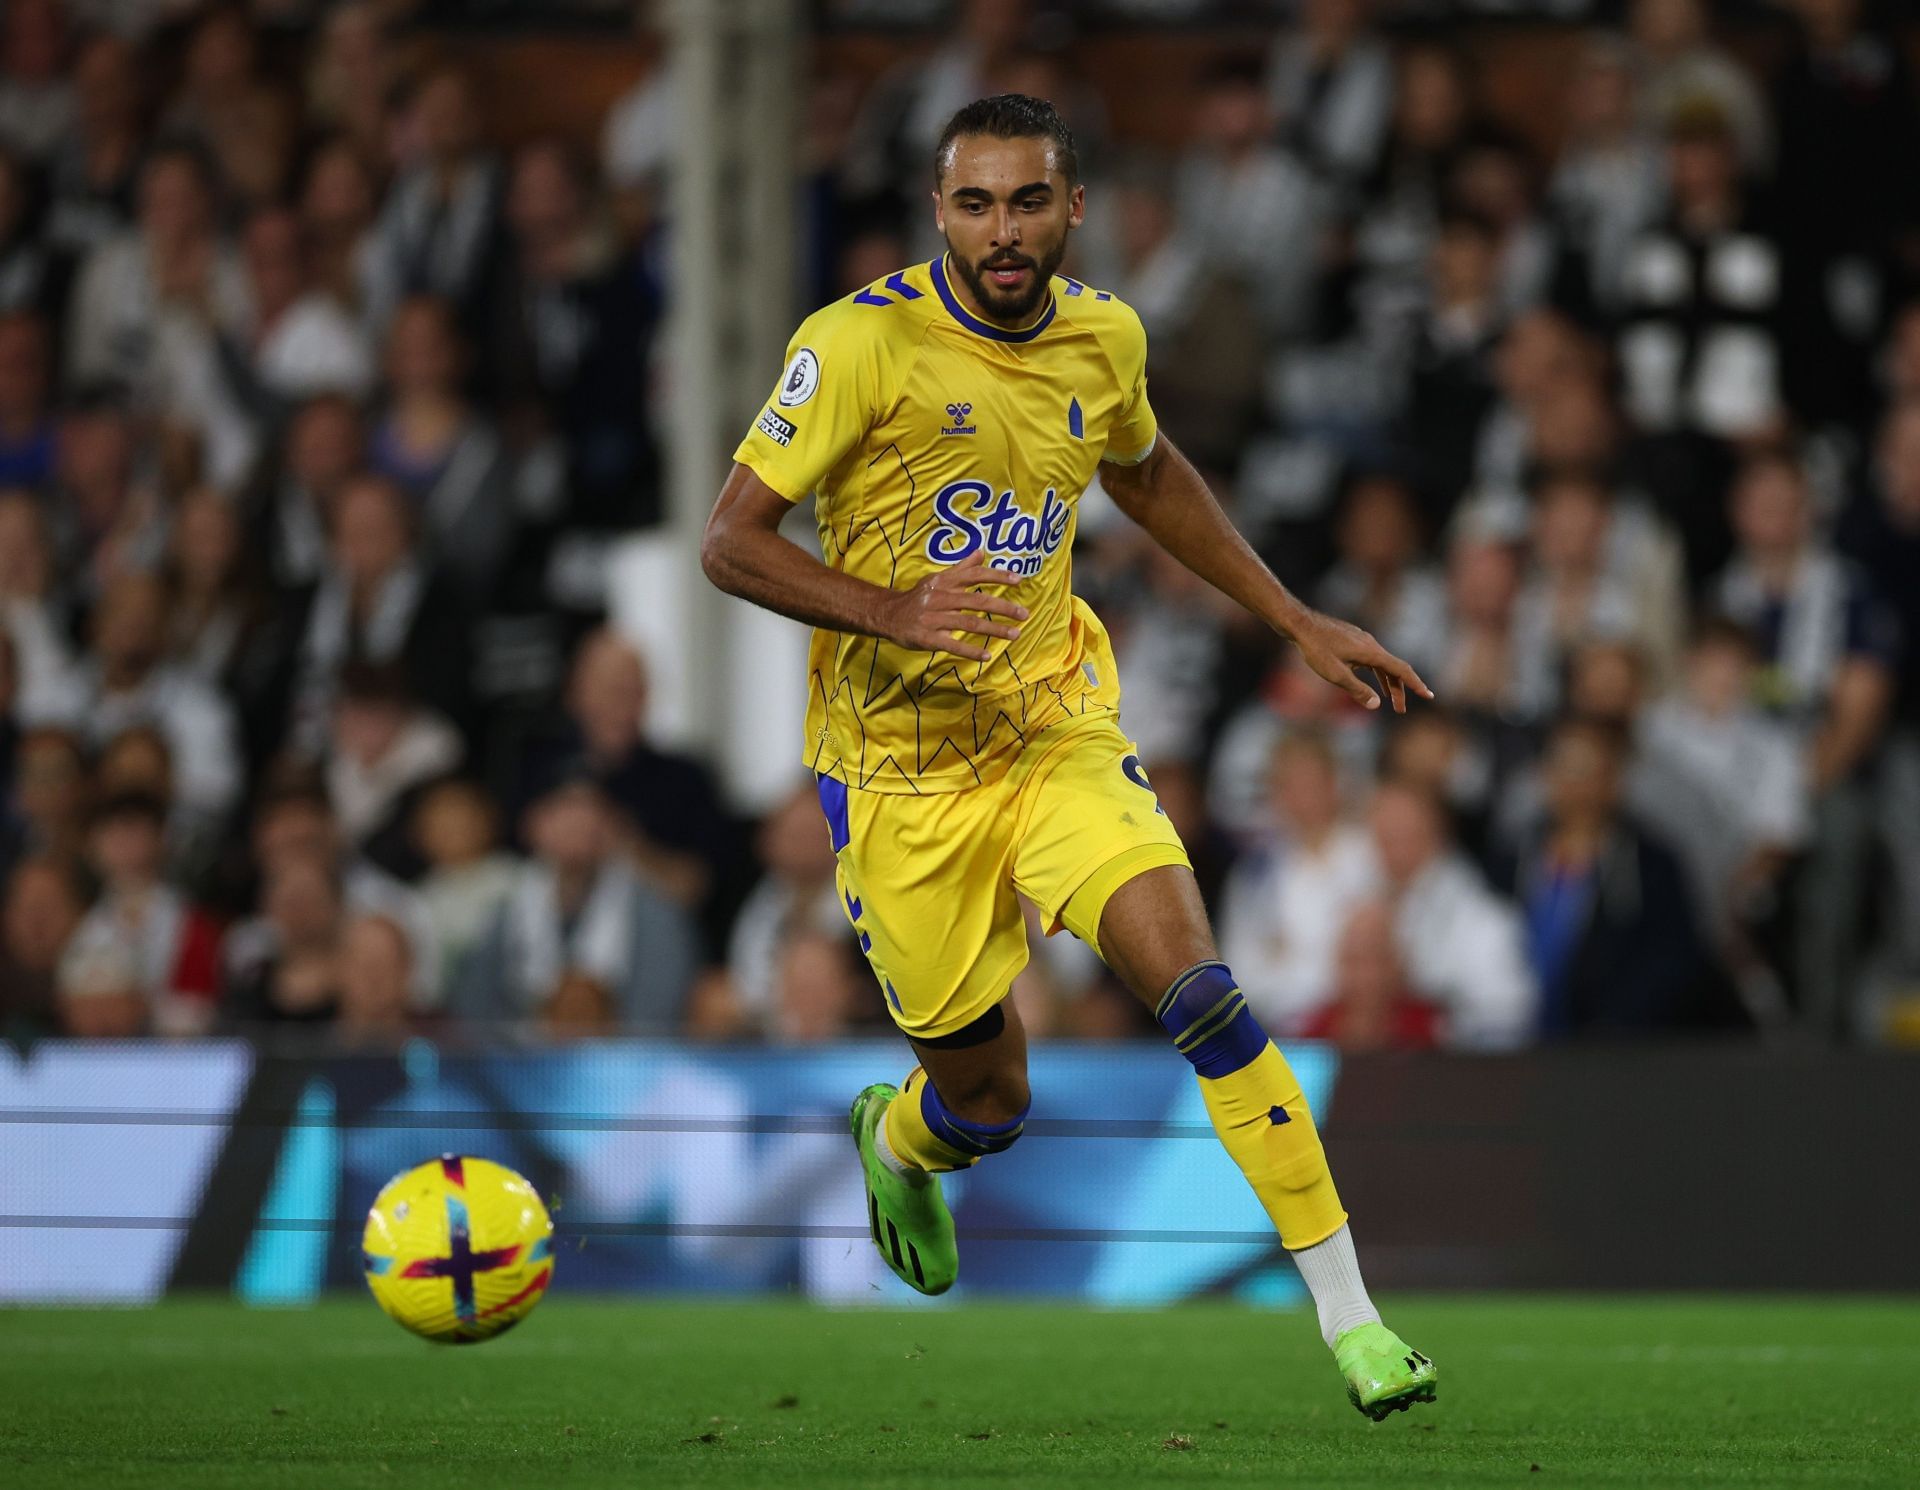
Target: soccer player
{"x": 963, "y": 716}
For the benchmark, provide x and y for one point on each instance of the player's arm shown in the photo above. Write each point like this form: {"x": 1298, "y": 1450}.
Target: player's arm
{"x": 743, "y": 553}
{"x": 1165, "y": 495}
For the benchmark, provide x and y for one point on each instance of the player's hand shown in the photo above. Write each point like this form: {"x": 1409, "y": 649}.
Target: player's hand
{"x": 928, "y": 615}
{"x": 1334, "y": 649}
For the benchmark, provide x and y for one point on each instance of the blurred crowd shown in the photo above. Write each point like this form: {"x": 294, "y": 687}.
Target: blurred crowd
{"x": 320, "y": 409}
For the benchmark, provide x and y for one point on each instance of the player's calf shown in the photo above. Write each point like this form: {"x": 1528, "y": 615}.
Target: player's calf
{"x": 1262, "y": 1119}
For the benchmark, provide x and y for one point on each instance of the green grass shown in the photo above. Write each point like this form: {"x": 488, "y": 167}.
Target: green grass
{"x": 1538, "y": 1392}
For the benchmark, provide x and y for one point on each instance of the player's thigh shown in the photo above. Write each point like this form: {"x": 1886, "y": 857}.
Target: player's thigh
{"x": 927, "y": 883}
{"x": 1090, "y": 825}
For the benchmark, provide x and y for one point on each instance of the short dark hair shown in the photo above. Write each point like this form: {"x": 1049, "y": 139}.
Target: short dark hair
{"x": 1011, "y": 116}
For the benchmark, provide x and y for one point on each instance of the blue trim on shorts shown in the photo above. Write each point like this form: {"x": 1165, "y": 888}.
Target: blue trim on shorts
{"x": 833, "y": 802}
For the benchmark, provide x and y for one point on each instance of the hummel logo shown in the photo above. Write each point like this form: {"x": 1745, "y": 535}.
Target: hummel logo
{"x": 959, "y": 426}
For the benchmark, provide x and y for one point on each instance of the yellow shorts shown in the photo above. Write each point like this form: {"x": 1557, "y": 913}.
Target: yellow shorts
{"x": 929, "y": 881}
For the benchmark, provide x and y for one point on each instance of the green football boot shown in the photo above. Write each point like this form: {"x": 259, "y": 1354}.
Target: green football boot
{"x": 1384, "y": 1374}
{"x": 911, "y": 1224}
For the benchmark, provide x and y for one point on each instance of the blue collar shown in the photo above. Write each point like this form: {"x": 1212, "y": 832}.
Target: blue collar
{"x": 973, "y": 323}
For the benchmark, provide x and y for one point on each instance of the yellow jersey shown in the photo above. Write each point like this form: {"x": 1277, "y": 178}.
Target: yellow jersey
{"x": 927, "y": 435}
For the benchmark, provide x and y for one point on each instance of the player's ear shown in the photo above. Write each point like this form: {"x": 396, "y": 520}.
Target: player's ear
{"x": 939, "y": 210}
{"x": 1077, "y": 207}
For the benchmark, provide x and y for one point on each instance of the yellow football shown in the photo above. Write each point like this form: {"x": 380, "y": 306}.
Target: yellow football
{"x": 458, "y": 1249}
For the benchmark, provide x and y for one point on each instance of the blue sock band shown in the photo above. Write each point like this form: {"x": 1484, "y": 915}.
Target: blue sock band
{"x": 963, "y": 1134}
{"x": 1209, "y": 1020}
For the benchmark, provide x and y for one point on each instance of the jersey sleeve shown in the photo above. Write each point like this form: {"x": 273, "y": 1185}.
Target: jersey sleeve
{"x": 829, "y": 396}
{"x": 1131, "y": 438}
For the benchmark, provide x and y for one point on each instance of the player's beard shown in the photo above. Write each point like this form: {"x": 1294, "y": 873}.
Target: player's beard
{"x": 1015, "y": 307}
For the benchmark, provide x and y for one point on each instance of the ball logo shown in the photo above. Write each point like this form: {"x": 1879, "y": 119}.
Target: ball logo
{"x": 974, "y": 518}
{"x": 802, "y": 379}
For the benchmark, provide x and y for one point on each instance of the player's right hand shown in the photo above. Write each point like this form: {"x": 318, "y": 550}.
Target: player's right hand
{"x": 928, "y": 616}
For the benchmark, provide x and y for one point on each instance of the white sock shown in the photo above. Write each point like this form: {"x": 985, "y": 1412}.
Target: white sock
{"x": 912, "y": 1173}
{"x": 1332, "y": 1275}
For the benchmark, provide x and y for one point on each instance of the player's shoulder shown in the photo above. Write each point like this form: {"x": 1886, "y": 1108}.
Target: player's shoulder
{"x": 891, "y": 312}
{"x": 1102, "y": 313}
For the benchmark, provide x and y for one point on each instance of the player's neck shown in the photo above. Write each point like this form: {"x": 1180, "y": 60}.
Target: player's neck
{"x": 963, "y": 292}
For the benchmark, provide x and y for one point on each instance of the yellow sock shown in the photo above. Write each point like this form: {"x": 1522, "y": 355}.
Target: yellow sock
{"x": 1282, "y": 1160}
{"x": 907, "y": 1134}
{"x": 1255, "y": 1103}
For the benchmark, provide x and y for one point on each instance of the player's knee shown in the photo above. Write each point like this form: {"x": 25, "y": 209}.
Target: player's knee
{"x": 983, "y": 1116}
{"x": 1208, "y": 1018}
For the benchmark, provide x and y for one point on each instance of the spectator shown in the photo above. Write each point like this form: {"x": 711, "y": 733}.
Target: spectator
{"x": 441, "y": 452}
{"x": 1433, "y": 119}
{"x": 580, "y": 909}
{"x": 294, "y": 821}
{"x": 9, "y": 736}
{"x": 795, "y": 895}
{"x": 42, "y": 906}
{"x": 52, "y": 794}
{"x": 1285, "y": 901}
{"x": 31, "y": 612}
{"x": 337, "y": 204}
{"x": 174, "y": 258}
{"x": 1825, "y": 642}
{"x": 469, "y": 878}
{"x": 1726, "y": 784}
{"x": 1450, "y": 384}
{"x": 1372, "y": 1005}
{"x": 36, "y": 95}
{"x": 105, "y": 523}
{"x": 1482, "y": 673}
{"x": 385, "y": 751}
{"x": 1679, "y": 65}
{"x": 1570, "y": 594}
{"x": 299, "y": 340}
{"x": 1253, "y": 210}
{"x": 220, "y": 626}
{"x": 1848, "y": 122}
{"x": 1462, "y": 945}
{"x": 293, "y": 505}
{"x": 439, "y": 231}
{"x": 375, "y": 978}
{"x": 245, "y": 123}
{"x": 1610, "y": 928}
{"x": 571, "y": 328}
{"x": 354, "y": 73}
{"x": 1494, "y": 180}
{"x": 817, "y": 989}
{"x": 1331, "y": 87}
{"x": 94, "y": 170}
{"x": 1381, "y": 580}
{"x": 283, "y": 966}
{"x": 686, "y": 839}
{"x": 1881, "y": 533}
{"x": 1609, "y": 183}
{"x": 126, "y": 681}
{"x": 1205, "y": 347}
{"x": 377, "y": 602}
{"x": 143, "y": 941}
{"x": 31, "y": 279}
{"x": 26, "y": 421}
{"x": 1704, "y": 293}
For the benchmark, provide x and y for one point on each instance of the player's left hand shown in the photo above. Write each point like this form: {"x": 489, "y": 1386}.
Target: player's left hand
{"x": 1334, "y": 649}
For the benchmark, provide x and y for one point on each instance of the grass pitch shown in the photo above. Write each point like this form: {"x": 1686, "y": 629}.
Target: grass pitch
{"x": 1542, "y": 1393}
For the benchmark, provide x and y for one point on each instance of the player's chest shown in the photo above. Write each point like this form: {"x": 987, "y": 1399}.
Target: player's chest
{"x": 1028, "y": 424}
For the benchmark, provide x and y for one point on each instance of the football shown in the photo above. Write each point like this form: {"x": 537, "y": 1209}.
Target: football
{"x": 458, "y": 1249}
